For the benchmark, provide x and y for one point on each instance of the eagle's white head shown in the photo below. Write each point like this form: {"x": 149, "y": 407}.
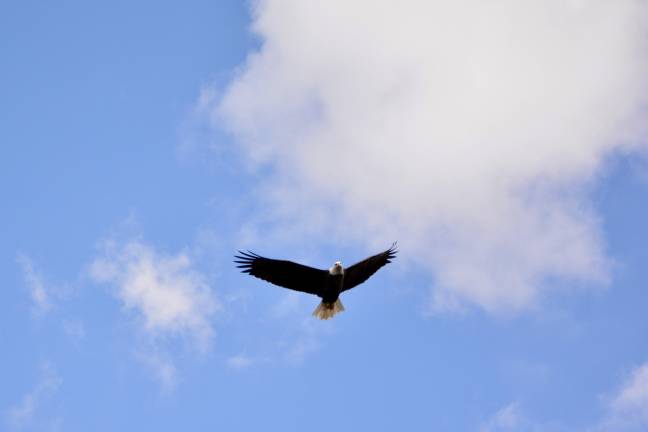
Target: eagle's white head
{"x": 337, "y": 268}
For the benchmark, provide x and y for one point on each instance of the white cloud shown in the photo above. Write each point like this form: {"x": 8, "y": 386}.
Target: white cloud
{"x": 303, "y": 334}
{"x": 626, "y": 411}
{"x": 240, "y": 361}
{"x": 39, "y": 295}
{"x": 634, "y": 395}
{"x": 169, "y": 296}
{"x": 74, "y": 329}
{"x": 471, "y": 131}
{"x": 511, "y": 418}
{"x": 289, "y": 305}
{"x": 163, "y": 368}
{"x": 166, "y": 292}
{"x": 506, "y": 419}
{"x": 301, "y": 348}
{"x": 306, "y": 340}
{"x": 628, "y": 408}
{"x": 23, "y": 414}
{"x": 289, "y": 336}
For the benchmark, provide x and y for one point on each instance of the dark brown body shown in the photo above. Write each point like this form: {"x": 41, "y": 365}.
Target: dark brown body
{"x": 333, "y": 288}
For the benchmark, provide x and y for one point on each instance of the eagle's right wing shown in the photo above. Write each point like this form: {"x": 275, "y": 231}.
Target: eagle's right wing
{"x": 286, "y": 274}
{"x": 361, "y": 271}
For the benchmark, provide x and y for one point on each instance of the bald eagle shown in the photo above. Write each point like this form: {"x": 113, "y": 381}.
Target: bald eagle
{"x": 326, "y": 284}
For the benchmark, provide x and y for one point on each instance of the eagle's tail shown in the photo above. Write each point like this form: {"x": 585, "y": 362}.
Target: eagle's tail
{"x": 327, "y": 310}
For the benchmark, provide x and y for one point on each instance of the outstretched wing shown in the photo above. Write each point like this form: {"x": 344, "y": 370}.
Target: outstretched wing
{"x": 360, "y": 272}
{"x": 286, "y": 274}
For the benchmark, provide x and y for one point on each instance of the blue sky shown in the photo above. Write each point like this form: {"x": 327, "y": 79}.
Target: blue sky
{"x": 143, "y": 144}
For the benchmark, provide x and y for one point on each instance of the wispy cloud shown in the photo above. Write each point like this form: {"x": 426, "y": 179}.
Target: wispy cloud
{"x": 304, "y": 335}
{"x": 288, "y": 335}
{"x": 511, "y": 418}
{"x": 470, "y": 131}
{"x": 289, "y": 304}
{"x": 39, "y": 295}
{"x": 162, "y": 366}
{"x": 168, "y": 296}
{"x": 74, "y": 329}
{"x": 240, "y": 361}
{"x": 628, "y": 408}
{"x": 507, "y": 418}
{"x": 24, "y": 413}
{"x": 306, "y": 342}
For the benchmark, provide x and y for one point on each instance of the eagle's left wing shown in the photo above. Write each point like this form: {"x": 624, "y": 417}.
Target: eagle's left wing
{"x": 286, "y": 274}
{"x": 361, "y": 271}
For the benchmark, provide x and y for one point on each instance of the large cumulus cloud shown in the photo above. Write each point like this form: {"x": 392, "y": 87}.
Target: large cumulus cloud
{"x": 472, "y": 131}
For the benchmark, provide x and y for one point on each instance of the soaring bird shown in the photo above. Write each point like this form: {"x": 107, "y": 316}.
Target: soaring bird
{"x": 326, "y": 284}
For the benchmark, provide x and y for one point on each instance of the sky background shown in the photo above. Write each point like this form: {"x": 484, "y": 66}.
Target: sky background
{"x": 501, "y": 143}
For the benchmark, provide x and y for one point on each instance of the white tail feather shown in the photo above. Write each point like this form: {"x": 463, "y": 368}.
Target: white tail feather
{"x": 327, "y": 310}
